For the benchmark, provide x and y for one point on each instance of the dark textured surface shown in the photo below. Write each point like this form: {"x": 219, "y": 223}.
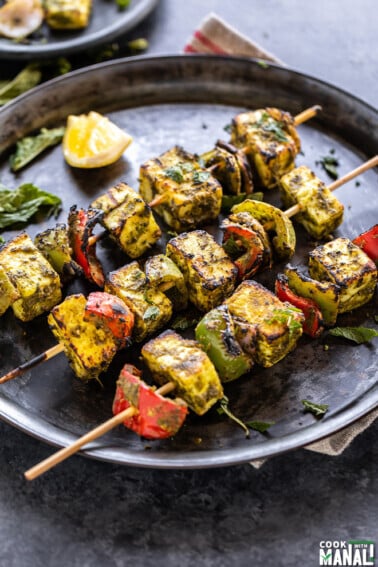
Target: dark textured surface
{"x": 94, "y": 514}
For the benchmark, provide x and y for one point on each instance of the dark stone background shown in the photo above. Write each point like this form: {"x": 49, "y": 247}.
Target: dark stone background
{"x": 92, "y": 514}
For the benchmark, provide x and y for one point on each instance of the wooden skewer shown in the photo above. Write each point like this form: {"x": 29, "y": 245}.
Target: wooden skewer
{"x": 344, "y": 179}
{"x": 66, "y": 452}
{"x": 50, "y": 353}
{"x": 307, "y": 114}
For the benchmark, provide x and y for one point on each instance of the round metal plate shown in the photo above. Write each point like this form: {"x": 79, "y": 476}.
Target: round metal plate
{"x": 188, "y": 100}
{"x": 106, "y": 24}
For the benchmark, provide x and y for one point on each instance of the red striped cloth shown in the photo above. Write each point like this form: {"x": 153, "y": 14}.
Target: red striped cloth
{"x": 214, "y": 35}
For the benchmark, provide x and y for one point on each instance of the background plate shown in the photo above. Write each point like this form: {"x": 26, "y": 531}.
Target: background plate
{"x": 107, "y": 23}
{"x": 188, "y": 100}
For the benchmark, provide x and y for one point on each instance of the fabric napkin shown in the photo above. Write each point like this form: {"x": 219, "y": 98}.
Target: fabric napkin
{"x": 214, "y": 35}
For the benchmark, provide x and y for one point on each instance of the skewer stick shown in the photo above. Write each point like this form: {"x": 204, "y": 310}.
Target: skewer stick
{"x": 307, "y": 114}
{"x": 336, "y": 184}
{"x": 66, "y": 452}
{"x": 50, "y": 353}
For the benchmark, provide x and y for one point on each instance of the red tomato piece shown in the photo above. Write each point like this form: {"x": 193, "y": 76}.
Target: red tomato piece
{"x": 80, "y": 228}
{"x": 313, "y": 323}
{"x": 368, "y": 242}
{"x": 113, "y": 312}
{"x": 158, "y": 417}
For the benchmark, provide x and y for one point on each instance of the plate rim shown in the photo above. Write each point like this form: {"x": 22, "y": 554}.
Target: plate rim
{"x": 357, "y": 408}
{"x": 123, "y": 22}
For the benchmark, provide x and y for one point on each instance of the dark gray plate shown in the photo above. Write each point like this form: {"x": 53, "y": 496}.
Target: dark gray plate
{"x": 107, "y": 23}
{"x": 188, "y": 100}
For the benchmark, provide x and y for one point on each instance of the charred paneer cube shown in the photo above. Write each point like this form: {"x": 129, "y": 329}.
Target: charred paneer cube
{"x": 345, "y": 264}
{"x": 163, "y": 274}
{"x": 265, "y": 326}
{"x": 209, "y": 274}
{"x": 185, "y": 195}
{"x": 270, "y": 141}
{"x": 128, "y": 219}
{"x": 89, "y": 347}
{"x": 37, "y": 283}
{"x": 8, "y": 293}
{"x": 321, "y": 212}
{"x": 151, "y": 308}
{"x": 183, "y": 362}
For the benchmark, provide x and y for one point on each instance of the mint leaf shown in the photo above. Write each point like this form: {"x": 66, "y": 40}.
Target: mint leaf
{"x": 224, "y": 409}
{"x": 19, "y": 205}
{"x": 30, "y": 147}
{"x": 329, "y": 164}
{"x": 260, "y": 426}
{"x": 26, "y": 79}
{"x": 316, "y": 409}
{"x": 358, "y": 335}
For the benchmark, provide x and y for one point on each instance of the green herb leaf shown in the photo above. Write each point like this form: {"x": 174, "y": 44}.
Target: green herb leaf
{"x": 200, "y": 177}
{"x": 228, "y": 128}
{"x": 2, "y": 241}
{"x": 19, "y": 205}
{"x": 26, "y": 79}
{"x": 123, "y": 4}
{"x": 260, "y": 426}
{"x": 30, "y": 147}
{"x": 228, "y": 201}
{"x": 316, "y": 409}
{"x": 263, "y": 64}
{"x": 175, "y": 172}
{"x": 224, "y": 409}
{"x": 231, "y": 248}
{"x": 329, "y": 164}
{"x": 358, "y": 335}
{"x": 151, "y": 313}
{"x": 184, "y": 322}
{"x": 268, "y": 124}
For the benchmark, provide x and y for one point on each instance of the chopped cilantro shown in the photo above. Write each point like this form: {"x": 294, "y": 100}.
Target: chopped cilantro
{"x": 260, "y": 426}
{"x": 200, "y": 177}
{"x": 329, "y": 164}
{"x": 175, "y": 172}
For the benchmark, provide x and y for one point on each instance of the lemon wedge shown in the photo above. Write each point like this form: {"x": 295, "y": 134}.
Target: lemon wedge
{"x": 92, "y": 140}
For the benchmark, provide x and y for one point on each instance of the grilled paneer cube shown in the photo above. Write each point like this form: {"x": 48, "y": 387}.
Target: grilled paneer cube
{"x": 36, "y": 282}
{"x": 89, "y": 347}
{"x": 151, "y": 308}
{"x": 209, "y": 273}
{"x": 183, "y": 362}
{"x": 128, "y": 219}
{"x": 190, "y": 195}
{"x": 8, "y": 293}
{"x": 345, "y": 264}
{"x": 163, "y": 274}
{"x": 67, "y": 14}
{"x": 265, "y": 326}
{"x": 321, "y": 212}
{"x": 269, "y": 139}
{"x": 54, "y": 244}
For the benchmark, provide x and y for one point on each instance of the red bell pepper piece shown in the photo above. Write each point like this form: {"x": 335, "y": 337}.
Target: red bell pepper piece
{"x": 80, "y": 228}
{"x": 245, "y": 248}
{"x": 313, "y": 324}
{"x": 113, "y": 312}
{"x": 368, "y": 242}
{"x": 158, "y": 417}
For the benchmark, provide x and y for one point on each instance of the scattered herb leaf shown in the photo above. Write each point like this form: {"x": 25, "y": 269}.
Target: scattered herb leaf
{"x": 2, "y": 241}
{"x": 231, "y": 248}
{"x": 329, "y": 164}
{"x": 358, "y": 335}
{"x": 268, "y": 124}
{"x": 151, "y": 313}
{"x": 316, "y": 409}
{"x": 200, "y": 177}
{"x": 228, "y": 201}
{"x": 19, "y": 205}
{"x": 260, "y": 426}
{"x": 184, "y": 322}
{"x": 26, "y": 79}
{"x": 263, "y": 64}
{"x": 30, "y": 147}
{"x": 224, "y": 409}
{"x": 175, "y": 172}
{"x": 228, "y": 128}
{"x": 123, "y": 4}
